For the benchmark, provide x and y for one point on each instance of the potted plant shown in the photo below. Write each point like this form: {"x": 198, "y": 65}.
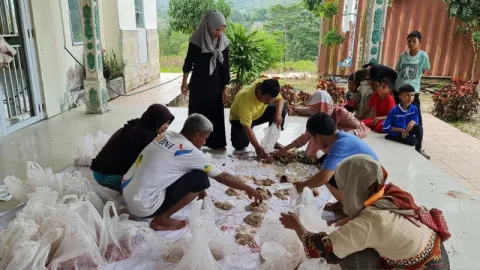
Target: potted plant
{"x": 113, "y": 68}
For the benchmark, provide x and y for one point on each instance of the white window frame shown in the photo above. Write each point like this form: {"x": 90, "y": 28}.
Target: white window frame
{"x": 138, "y": 12}
{"x": 74, "y": 43}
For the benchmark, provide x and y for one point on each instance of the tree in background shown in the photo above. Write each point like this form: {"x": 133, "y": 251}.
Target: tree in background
{"x": 298, "y": 36}
{"x": 171, "y": 41}
{"x": 468, "y": 11}
{"x": 185, "y": 15}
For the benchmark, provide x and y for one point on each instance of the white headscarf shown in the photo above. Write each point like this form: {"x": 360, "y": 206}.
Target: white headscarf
{"x": 202, "y": 37}
{"x": 320, "y": 96}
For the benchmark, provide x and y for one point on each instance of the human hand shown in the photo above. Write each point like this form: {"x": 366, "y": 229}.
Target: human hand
{"x": 374, "y": 121}
{"x": 410, "y": 125}
{"x": 280, "y": 152}
{"x": 261, "y": 152}
{"x": 299, "y": 186}
{"x": 225, "y": 96}
{"x": 290, "y": 221}
{"x": 278, "y": 120}
{"x": 253, "y": 193}
{"x": 404, "y": 133}
{"x": 184, "y": 88}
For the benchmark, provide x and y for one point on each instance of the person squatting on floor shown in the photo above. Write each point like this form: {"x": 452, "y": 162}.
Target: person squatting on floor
{"x": 402, "y": 123}
{"x": 384, "y": 228}
{"x": 171, "y": 172}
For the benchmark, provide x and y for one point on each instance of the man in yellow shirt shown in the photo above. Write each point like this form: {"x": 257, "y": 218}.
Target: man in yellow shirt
{"x": 252, "y": 107}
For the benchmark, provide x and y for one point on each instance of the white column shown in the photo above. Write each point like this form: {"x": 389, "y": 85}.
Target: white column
{"x": 96, "y": 95}
{"x": 377, "y": 15}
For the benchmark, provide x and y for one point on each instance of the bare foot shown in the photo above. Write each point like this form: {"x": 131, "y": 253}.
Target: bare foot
{"x": 333, "y": 207}
{"x": 167, "y": 224}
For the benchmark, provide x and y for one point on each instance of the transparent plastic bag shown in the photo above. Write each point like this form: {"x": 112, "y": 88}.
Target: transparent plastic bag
{"x": 314, "y": 264}
{"x": 100, "y": 139}
{"x": 273, "y": 231}
{"x": 85, "y": 150}
{"x": 119, "y": 235}
{"x": 272, "y": 135}
{"x": 310, "y": 215}
{"x": 276, "y": 257}
{"x": 86, "y": 212}
{"x": 16, "y": 187}
{"x": 17, "y": 232}
{"x": 34, "y": 255}
{"x": 95, "y": 200}
{"x": 198, "y": 255}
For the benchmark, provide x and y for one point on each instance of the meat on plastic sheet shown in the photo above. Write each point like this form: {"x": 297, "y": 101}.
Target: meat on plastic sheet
{"x": 120, "y": 235}
{"x": 272, "y": 135}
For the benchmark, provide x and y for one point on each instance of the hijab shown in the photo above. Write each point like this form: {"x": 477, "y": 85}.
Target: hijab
{"x": 321, "y": 101}
{"x": 202, "y": 37}
{"x": 123, "y": 148}
{"x": 354, "y": 176}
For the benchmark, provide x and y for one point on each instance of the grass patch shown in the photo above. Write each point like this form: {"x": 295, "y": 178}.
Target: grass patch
{"x": 294, "y": 66}
{"x": 304, "y": 84}
{"x": 171, "y": 63}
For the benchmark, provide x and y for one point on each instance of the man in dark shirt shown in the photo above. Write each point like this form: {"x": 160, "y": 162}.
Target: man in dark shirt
{"x": 376, "y": 73}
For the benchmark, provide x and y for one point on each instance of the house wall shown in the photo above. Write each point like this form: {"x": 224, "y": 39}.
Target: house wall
{"x": 136, "y": 73}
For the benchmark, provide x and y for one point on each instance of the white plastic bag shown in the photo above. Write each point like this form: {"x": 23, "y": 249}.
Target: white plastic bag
{"x": 86, "y": 212}
{"x": 18, "y": 232}
{"x": 100, "y": 139}
{"x": 272, "y": 135}
{"x": 306, "y": 207}
{"x": 16, "y": 187}
{"x": 273, "y": 231}
{"x": 119, "y": 235}
{"x": 34, "y": 255}
{"x": 276, "y": 257}
{"x": 198, "y": 255}
{"x": 88, "y": 147}
{"x": 314, "y": 264}
{"x": 38, "y": 177}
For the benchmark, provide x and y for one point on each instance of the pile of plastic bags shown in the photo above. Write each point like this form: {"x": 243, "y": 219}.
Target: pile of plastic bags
{"x": 281, "y": 248}
{"x": 65, "y": 225}
{"x": 88, "y": 148}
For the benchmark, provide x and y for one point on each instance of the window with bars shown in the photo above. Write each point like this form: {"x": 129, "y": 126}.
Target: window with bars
{"x": 139, "y": 14}
{"x": 75, "y": 22}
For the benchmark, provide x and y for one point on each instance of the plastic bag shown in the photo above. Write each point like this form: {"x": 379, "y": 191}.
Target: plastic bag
{"x": 95, "y": 200}
{"x": 276, "y": 257}
{"x": 198, "y": 255}
{"x": 306, "y": 207}
{"x": 86, "y": 212}
{"x": 18, "y": 232}
{"x": 88, "y": 147}
{"x": 314, "y": 264}
{"x": 16, "y": 187}
{"x": 273, "y": 231}
{"x": 175, "y": 251}
{"x": 272, "y": 135}
{"x": 34, "y": 255}
{"x": 76, "y": 249}
{"x": 119, "y": 235}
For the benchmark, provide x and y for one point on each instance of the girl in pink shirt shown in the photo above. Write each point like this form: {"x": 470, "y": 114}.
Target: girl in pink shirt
{"x": 321, "y": 101}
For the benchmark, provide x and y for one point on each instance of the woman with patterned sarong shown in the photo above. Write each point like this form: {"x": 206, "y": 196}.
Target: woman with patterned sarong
{"x": 385, "y": 229}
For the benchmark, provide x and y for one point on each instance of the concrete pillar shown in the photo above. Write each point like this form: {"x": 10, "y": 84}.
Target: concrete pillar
{"x": 377, "y": 15}
{"x": 96, "y": 95}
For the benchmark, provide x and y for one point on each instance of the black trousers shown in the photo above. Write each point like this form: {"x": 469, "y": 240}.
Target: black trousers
{"x": 213, "y": 109}
{"x": 414, "y": 138}
{"x": 192, "y": 182}
{"x": 238, "y": 136}
{"x": 332, "y": 180}
{"x": 416, "y": 102}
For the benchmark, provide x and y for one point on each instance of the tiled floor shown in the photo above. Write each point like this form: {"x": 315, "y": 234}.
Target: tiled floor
{"x": 435, "y": 183}
{"x": 457, "y": 153}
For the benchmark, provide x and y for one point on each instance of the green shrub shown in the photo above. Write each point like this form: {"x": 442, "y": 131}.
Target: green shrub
{"x": 113, "y": 67}
{"x": 332, "y": 38}
{"x": 171, "y": 42}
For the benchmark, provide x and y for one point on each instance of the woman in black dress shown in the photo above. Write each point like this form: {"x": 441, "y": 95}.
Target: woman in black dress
{"x": 207, "y": 59}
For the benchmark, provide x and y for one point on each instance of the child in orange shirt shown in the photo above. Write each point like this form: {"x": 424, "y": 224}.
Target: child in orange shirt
{"x": 380, "y": 103}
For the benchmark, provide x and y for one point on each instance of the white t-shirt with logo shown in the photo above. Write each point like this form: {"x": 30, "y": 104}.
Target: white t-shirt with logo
{"x": 159, "y": 165}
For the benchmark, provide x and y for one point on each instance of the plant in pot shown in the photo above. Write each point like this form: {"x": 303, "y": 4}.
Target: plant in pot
{"x": 113, "y": 68}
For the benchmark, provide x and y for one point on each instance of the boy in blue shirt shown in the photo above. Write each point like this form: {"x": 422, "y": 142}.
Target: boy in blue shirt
{"x": 402, "y": 124}
{"x": 410, "y": 67}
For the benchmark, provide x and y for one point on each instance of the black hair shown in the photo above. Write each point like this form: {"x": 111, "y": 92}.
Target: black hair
{"x": 321, "y": 124}
{"x": 361, "y": 75}
{"x": 351, "y": 77}
{"x": 270, "y": 87}
{"x": 367, "y": 65}
{"x": 406, "y": 88}
{"x": 416, "y": 34}
{"x": 388, "y": 82}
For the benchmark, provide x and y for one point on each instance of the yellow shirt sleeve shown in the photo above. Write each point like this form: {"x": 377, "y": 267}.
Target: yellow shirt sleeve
{"x": 279, "y": 97}
{"x": 364, "y": 231}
